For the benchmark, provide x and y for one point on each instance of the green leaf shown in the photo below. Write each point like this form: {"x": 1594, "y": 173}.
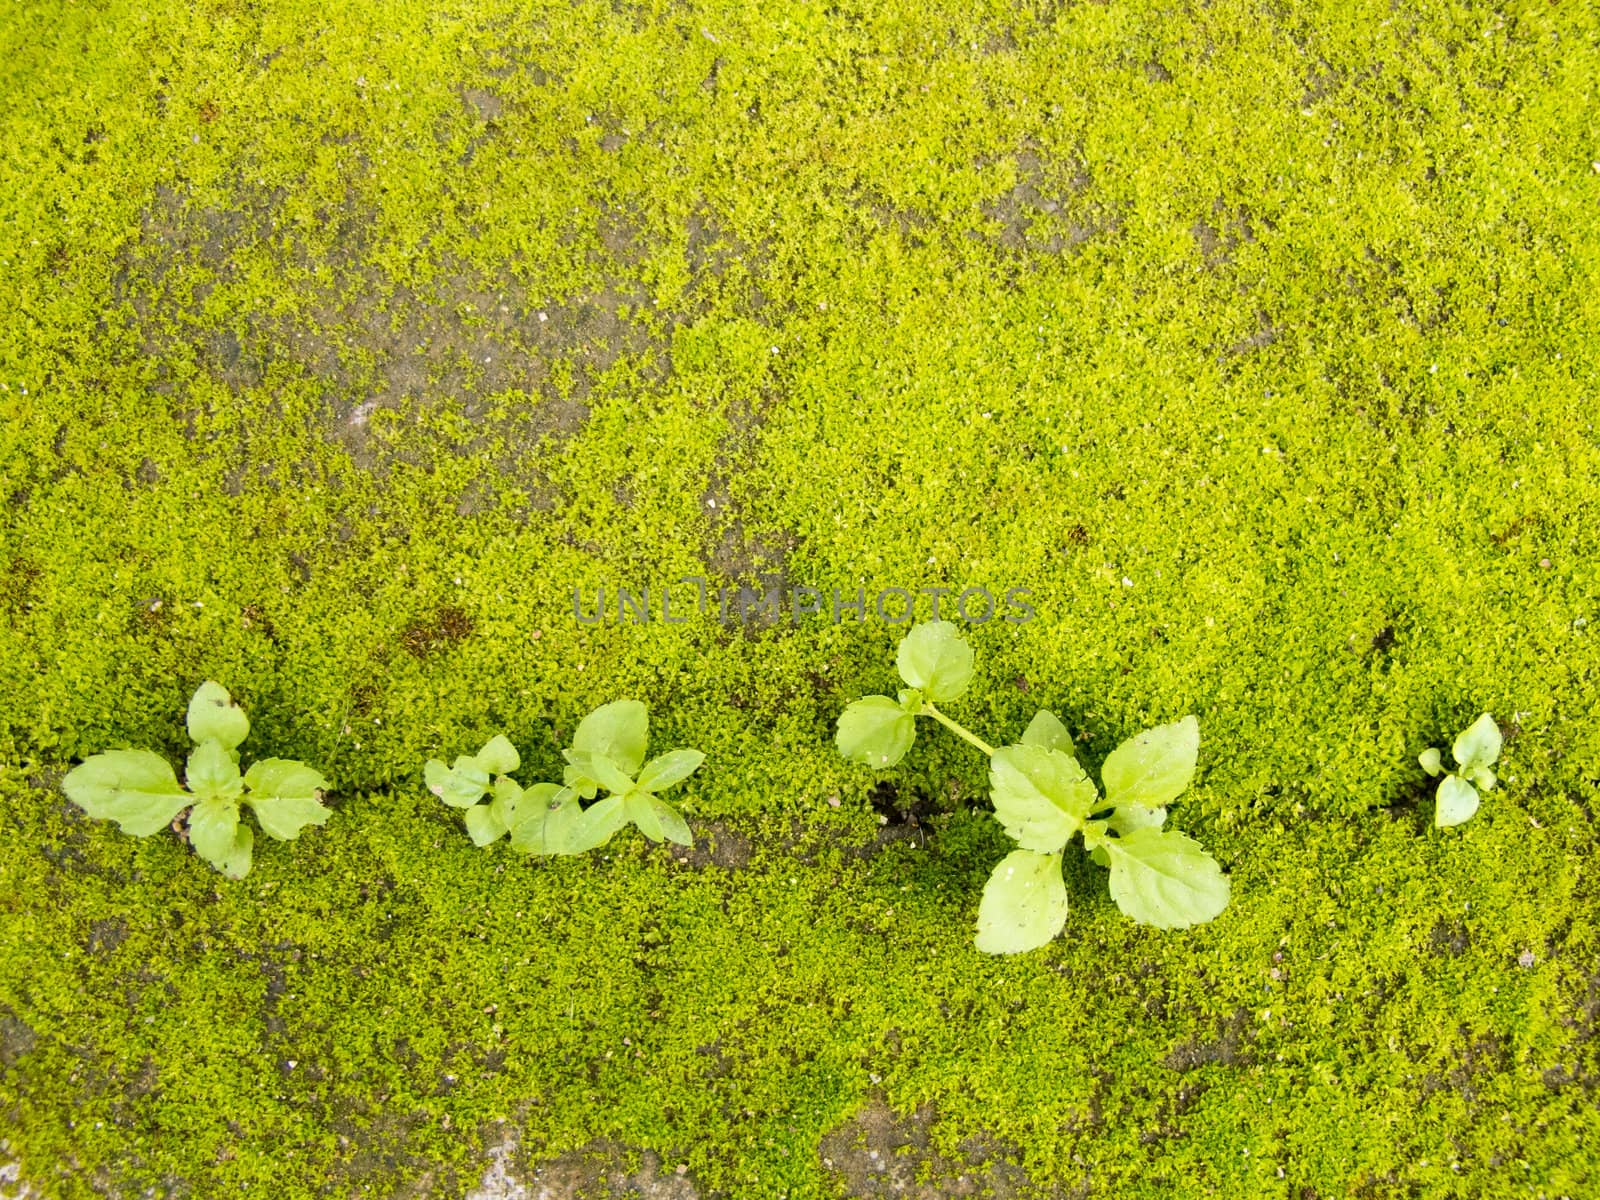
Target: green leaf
{"x": 1153, "y": 767}
{"x": 546, "y": 820}
{"x": 1456, "y": 802}
{"x": 875, "y": 732}
{"x": 664, "y": 770}
{"x": 598, "y": 824}
{"x": 212, "y": 773}
{"x": 1479, "y": 744}
{"x": 483, "y": 824}
{"x": 286, "y": 796}
{"x": 637, "y": 805}
{"x": 1044, "y": 730}
{"x": 489, "y": 822}
{"x": 508, "y": 795}
{"x": 600, "y": 768}
{"x": 283, "y": 817}
{"x": 1429, "y": 759}
{"x": 460, "y": 785}
{"x": 580, "y": 783}
{"x": 1482, "y": 776}
{"x": 214, "y": 715}
{"x": 1118, "y": 822}
{"x": 498, "y": 756}
{"x": 1133, "y": 816}
{"x": 1165, "y": 879}
{"x": 934, "y": 658}
{"x": 1040, "y": 796}
{"x": 657, "y": 819}
{"x": 135, "y": 788}
{"x": 617, "y": 731}
{"x": 673, "y": 826}
{"x": 1024, "y": 903}
{"x": 284, "y": 778}
{"x": 212, "y": 828}
{"x": 237, "y": 864}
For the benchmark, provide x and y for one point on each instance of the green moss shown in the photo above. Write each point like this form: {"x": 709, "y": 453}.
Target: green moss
{"x": 339, "y": 350}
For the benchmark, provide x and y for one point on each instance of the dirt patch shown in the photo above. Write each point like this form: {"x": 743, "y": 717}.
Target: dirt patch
{"x": 1483, "y": 1059}
{"x": 878, "y": 1153}
{"x": 897, "y": 807}
{"x": 716, "y": 844}
{"x": 712, "y": 248}
{"x": 752, "y": 565}
{"x": 913, "y": 226}
{"x": 105, "y": 935}
{"x": 373, "y": 1149}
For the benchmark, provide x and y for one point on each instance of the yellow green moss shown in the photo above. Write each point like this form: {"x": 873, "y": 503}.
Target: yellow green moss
{"x": 339, "y": 348}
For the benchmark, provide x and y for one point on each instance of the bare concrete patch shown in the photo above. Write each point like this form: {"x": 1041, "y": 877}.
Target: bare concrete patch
{"x": 880, "y": 1154}
{"x": 1264, "y": 336}
{"x": 1221, "y": 232}
{"x": 17, "y": 1038}
{"x": 713, "y": 249}
{"x": 605, "y": 1170}
{"x": 374, "y": 1153}
{"x": 913, "y": 226}
{"x": 12, "y": 1185}
{"x": 1050, "y": 208}
{"x": 752, "y": 562}
{"x": 486, "y": 105}
{"x": 520, "y": 367}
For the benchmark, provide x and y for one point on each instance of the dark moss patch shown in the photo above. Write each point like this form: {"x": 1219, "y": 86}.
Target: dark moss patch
{"x": 17, "y": 1038}
{"x": 1229, "y": 1048}
{"x": 879, "y": 1154}
{"x": 446, "y": 626}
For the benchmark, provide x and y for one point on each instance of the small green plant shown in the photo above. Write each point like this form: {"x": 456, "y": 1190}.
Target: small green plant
{"x": 1476, "y": 749}
{"x": 1043, "y": 799}
{"x": 138, "y": 790}
{"x": 607, "y": 753}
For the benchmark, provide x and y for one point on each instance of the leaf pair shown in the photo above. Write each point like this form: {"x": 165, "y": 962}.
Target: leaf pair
{"x": 936, "y": 664}
{"x": 1476, "y": 750}
{"x": 1043, "y": 797}
{"x": 607, "y": 753}
{"x": 138, "y": 789}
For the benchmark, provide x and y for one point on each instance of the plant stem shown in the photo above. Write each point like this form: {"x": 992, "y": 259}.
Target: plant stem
{"x": 959, "y": 730}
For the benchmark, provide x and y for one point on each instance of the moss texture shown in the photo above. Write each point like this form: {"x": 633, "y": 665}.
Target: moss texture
{"x": 340, "y": 346}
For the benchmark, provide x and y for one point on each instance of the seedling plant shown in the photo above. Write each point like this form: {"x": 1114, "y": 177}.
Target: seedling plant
{"x": 1476, "y": 749}
{"x": 607, "y": 754}
{"x": 1043, "y": 799}
{"x": 139, "y": 790}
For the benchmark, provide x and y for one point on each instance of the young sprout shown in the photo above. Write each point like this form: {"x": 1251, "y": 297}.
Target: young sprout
{"x": 1476, "y": 749}
{"x": 1043, "y": 799}
{"x": 138, "y": 789}
{"x": 607, "y": 753}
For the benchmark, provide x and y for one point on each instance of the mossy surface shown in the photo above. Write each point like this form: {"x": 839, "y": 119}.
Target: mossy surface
{"x": 1254, "y": 340}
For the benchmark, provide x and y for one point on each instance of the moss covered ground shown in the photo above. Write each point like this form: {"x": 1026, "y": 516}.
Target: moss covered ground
{"x": 342, "y": 343}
